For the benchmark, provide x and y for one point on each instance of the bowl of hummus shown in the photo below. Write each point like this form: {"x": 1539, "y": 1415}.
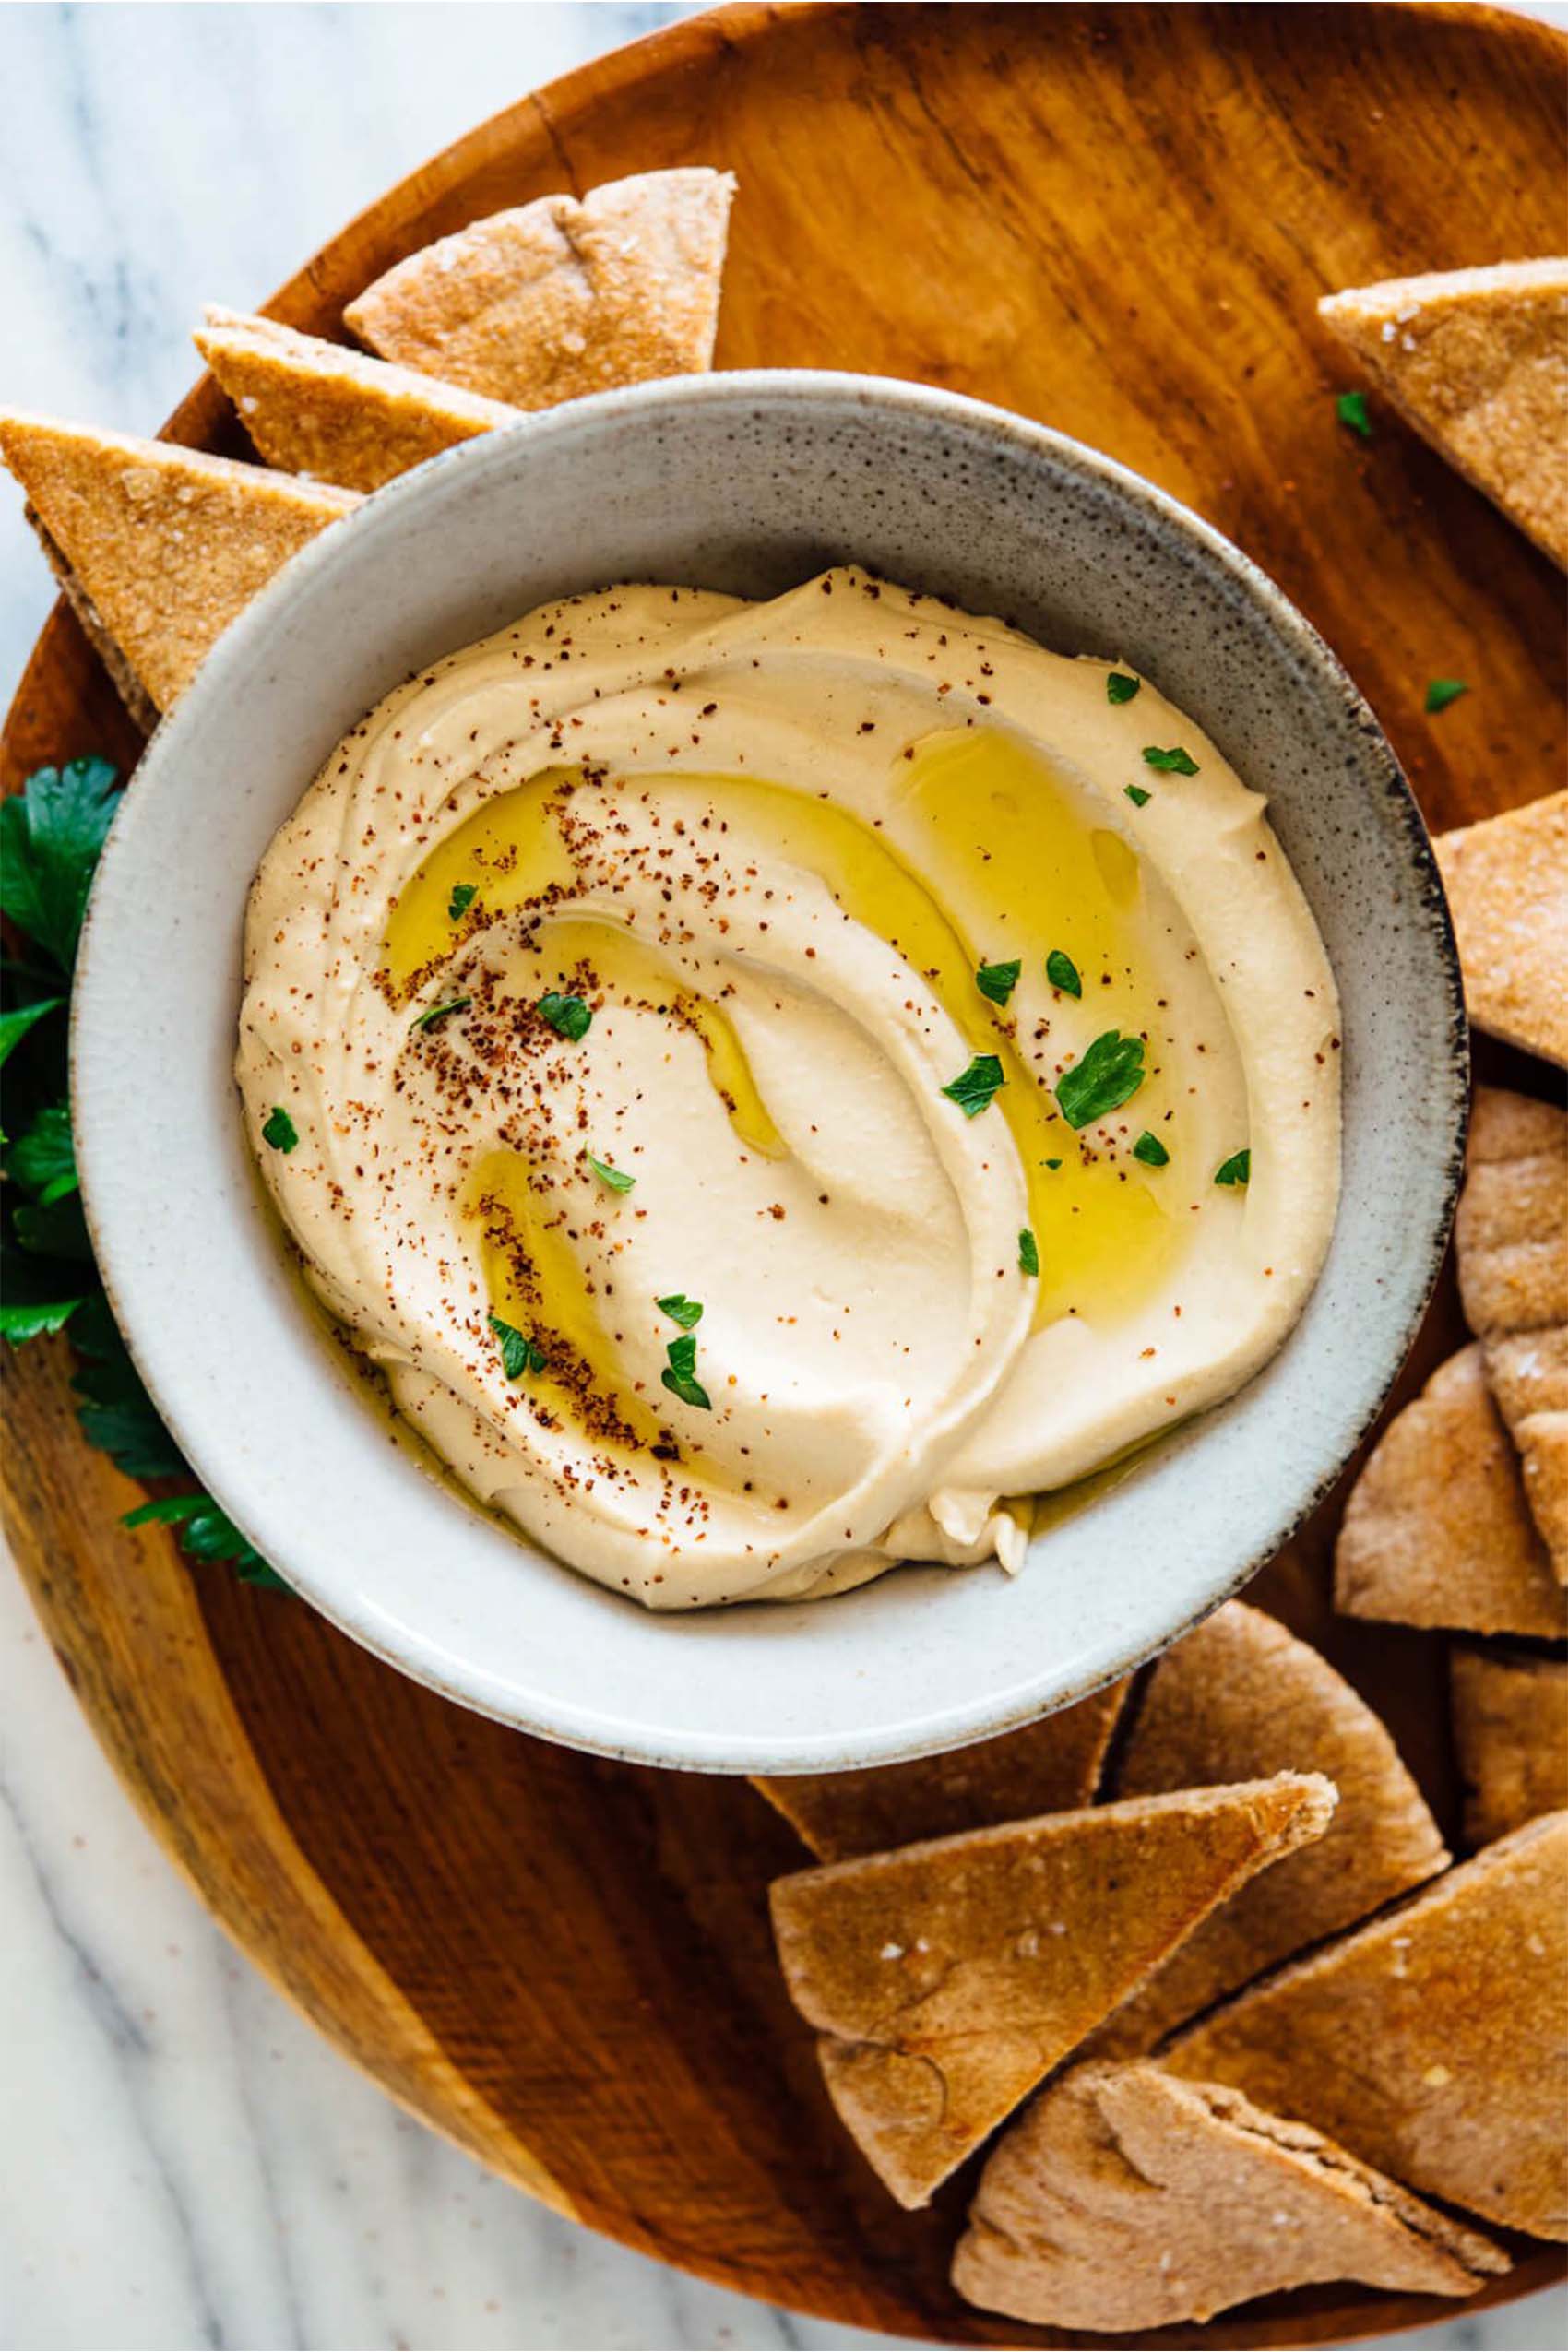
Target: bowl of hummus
{"x": 813, "y": 1064}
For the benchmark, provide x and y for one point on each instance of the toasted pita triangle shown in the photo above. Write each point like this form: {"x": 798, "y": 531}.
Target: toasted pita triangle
{"x": 1049, "y": 1766}
{"x": 1507, "y": 884}
{"x": 563, "y": 296}
{"x": 1238, "y": 1699}
{"x": 166, "y": 545}
{"x": 1126, "y": 2200}
{"x": 316, "y": 409}
{"x": 1437, "y": 1531}
{"x": 1477, "y": 360}
{"x": 1511, "y": 1236}
{"x": 1510, "y": 1736}
{"x": 948, "y": 1978}
{"x": 1430, "y": 2042}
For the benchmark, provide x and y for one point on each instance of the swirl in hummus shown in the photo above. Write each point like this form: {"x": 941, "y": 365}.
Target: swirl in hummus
{"x": 891, "y": 990}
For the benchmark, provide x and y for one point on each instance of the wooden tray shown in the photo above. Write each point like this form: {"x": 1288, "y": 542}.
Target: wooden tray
{"x": 1114, "y": 219}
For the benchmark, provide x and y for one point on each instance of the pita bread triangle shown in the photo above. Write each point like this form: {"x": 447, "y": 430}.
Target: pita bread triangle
{"x": 563, "y": 296}
{"x": 1508, "y": 896}
{"x": 1049, "y": 1766}
{"x": 314, "y": 407}
{"x": 157, "y": 547}
{"x": 1430, "y": 2041}
{"x": 946, "y": 1980}
{"x": 1239, "y": 1699}
{"x": 1125, "y": 2200}
{"x": 1477, "y": 360}
{"x": 1437, "y": 1531}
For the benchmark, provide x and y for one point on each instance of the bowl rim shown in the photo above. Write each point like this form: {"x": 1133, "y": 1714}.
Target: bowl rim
{"x": 426, "y": 1661}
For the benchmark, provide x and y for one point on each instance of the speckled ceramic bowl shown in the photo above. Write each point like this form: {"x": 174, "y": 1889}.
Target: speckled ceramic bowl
{"x": 748, "y": 483}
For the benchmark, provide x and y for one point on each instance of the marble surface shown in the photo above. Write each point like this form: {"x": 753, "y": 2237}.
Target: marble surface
{"x": 181, "y": 2161}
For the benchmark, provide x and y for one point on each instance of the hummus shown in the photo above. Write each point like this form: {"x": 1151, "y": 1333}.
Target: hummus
{"x": 777, "y": 1087}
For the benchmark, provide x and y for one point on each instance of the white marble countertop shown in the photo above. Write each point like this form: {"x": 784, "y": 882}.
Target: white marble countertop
{"x": 181, "y": 2161}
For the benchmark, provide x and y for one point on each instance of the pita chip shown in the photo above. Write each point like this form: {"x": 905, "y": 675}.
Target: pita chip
{"x": 157, "y": 547}
{"x": 1476, "y": 361}
{"x": 313, "y": 408}
{"x": 1125, "y": 2199}
{"x": 1239, "y": 1699}
{"x": 1507, "y": 884}
{"x": 1049, "y": 1766}
{"x": 1433, "y": 2042}
{"x": 1511, "y": 1238}
{"x": 948, "y": 1978}
{"x": 1511, "y": 1734}
{"x": 1437, "y": 1531}
{"x": 564, "y": 295}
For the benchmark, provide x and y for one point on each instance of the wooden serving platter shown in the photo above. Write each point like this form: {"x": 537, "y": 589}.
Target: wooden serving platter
{"x": 1114, "y": 219}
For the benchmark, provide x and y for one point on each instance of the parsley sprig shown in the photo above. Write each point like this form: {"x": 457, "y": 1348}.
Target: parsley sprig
{"x": 974, "y": 1089}
{"x": 50, "y": 834}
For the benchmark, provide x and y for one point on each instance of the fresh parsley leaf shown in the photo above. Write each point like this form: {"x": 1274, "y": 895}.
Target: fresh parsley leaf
{"x": 1150, "y": 1150}
{"x": 1109, "y": 1071}
{"x": 1236, "y": 1170}
{"x": 1136, "y": 795}
{"x": 520, "y": 1355}
{"x": 1175, "y": 762}
{"x": 41, "y": 1159}
{"x": 1028, "y": 1253}
{"x": 567, "y": 1016}
{"x": 998, "y": 981}
{"x": 686, "y": 1312}
{"x": 462, "y": 898}
{"x": 435, "y": 1013}
{"x": 280, "y": 1131}
{"x": 25, "y": 1318}
{"x": 1442, "y": 691}
{"x": 118, "y": 1415}
{"x": 58, "y": 1230}
{"x": 15, "y": 1026}
{"x": 975, "y": 1088}
{"x": 1118, "y": 687}
{"x": 1062, "y": 973}
{"x": 680, "y": 1374}
{"x": 1351, "y": 410}
{"x": 51, "y": 834}
{"x": 206, "y": 1532}
{"x": 1052, "y": 1163}
{"x": 617, "y": 1178}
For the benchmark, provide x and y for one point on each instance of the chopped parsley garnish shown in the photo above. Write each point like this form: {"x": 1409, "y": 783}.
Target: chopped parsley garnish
{"x": 1150, "y": 1150}
{"x": 1062, "y": 973}
{"x": 1118, "y": 687}
{"x": 280, "y": 1131}
{"x": 1442, "y": 691}
{"x": 462, "y": 898}
{"x": 1028, "y": 1254}
{"x": 567, "y": 1016}
{"x": 617, "y": 1178}
{"x": 974, "y": 1090}
{"x": 1351, "y": 409}
{"x": 1236, "y": 1170}
{"x": 1052, "y": 1163}
{"x": 1175, "y": 762}
{"x": 520, "y": 1355}
{"x": 679, "y": 1376}
{"x": 686, "y": 1312}
{"x": 435, "y": 1013}
{"x": 998, "y": 981}
{"x": 1136, "y": 795}
{"x": 1111, "y": 1070}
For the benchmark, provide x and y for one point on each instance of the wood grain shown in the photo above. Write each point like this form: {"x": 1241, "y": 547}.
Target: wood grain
{"x": 1115, "y": 220}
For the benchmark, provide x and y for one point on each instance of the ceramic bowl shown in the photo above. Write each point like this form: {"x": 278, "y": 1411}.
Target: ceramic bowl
{"x": 746, "y": 483}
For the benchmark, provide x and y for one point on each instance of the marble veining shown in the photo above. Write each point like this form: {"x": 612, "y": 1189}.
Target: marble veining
{"x": 184, "y": 2162}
